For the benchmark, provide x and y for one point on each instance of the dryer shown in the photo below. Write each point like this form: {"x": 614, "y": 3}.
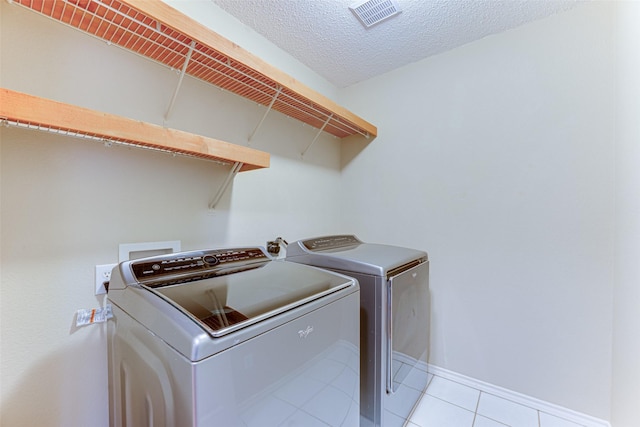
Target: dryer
{"x": 394, "y": 319}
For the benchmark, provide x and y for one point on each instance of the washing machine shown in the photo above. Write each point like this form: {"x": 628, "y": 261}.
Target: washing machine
{"x": 394, "y": 319}
{"x": 231, "y": 337}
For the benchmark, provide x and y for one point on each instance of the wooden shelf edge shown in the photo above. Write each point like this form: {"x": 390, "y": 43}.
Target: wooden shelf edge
{"x": 36, "y": 111}
{"x": 178, "y": 21}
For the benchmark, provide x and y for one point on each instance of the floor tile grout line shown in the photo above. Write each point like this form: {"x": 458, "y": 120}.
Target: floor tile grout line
{"x": 539, "y": 421}
{"x": 488, "y": 417}
{"x": 459, "y": 383}
{"x": 475, "y": 414}
{"x": 559, "y": 417}
{"x": 423, "y": 393}
{"x": 450, "y": 403}
{"x": 511, "y": 401}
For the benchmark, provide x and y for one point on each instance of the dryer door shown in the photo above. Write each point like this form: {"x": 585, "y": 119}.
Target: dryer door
{"x": 407, "y": 326}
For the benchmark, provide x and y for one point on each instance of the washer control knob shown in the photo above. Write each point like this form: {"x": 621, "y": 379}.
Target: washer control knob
{"x": 210, "y": 260}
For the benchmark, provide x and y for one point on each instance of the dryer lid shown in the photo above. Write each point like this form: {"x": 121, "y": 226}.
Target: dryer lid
{"x": 347, "y": 253}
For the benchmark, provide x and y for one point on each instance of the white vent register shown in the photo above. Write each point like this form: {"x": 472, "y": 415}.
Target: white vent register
{"x": 372, "y": 12}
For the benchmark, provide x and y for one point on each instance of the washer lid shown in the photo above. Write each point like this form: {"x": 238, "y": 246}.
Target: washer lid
{"x": 224, "y": 304}
{"x": 348, "y": 253}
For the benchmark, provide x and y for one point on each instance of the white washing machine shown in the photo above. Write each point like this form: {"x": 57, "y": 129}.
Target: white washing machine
{"x": 230, "y": 337}
{"x": 394, "y": 321}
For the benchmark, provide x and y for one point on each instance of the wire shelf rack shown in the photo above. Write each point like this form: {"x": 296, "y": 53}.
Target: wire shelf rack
{"x": 225, "y": 65}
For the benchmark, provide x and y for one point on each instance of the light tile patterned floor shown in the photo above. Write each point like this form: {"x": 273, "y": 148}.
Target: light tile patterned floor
{"x": 446, "y": 403}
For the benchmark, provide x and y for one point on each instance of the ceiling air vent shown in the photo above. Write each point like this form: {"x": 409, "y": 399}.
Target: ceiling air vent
{"x": 372, "y": 12}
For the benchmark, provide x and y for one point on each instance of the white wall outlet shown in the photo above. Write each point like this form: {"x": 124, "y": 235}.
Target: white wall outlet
{"x": 103, "y": 274}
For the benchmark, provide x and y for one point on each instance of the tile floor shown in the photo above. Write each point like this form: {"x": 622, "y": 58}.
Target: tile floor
{"x": 446, "y": 403}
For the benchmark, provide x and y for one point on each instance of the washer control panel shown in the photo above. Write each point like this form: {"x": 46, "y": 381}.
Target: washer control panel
{"x": 196, "y": 263}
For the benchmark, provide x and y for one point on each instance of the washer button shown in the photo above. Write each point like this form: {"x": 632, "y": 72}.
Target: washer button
{"x": 210, "y": 260}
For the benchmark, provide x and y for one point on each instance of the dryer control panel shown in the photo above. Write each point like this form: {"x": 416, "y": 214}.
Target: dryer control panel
{"x": 331, "y": 242}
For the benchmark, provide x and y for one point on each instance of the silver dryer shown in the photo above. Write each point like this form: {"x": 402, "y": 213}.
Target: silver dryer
{"x": 394, "y": 319}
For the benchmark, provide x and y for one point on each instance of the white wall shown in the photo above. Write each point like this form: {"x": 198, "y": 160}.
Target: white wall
{"x": 626, "y": 326}
{"x": 497, "y": 158}
{"x": 66, "y": 204}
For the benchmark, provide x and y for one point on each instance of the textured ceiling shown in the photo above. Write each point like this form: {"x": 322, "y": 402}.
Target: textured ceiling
{"x": 328, "y": 38}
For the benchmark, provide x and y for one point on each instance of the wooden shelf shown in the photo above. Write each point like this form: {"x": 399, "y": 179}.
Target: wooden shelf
{"x": 32, "y": 112}
{"x": 157, "y": 31}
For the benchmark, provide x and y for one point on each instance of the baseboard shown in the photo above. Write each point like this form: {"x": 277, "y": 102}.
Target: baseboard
{"x": 531, "y": 402}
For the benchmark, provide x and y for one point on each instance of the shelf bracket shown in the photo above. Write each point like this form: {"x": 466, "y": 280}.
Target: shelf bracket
{"x": 273, "y": 101}
{"x": 182, "y": 73}
{"x": 235, "y": 168}
{"x": 317, "y": 135}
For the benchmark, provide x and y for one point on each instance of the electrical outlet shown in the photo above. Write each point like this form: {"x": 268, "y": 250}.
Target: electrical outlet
{"x": 103, "y": 274}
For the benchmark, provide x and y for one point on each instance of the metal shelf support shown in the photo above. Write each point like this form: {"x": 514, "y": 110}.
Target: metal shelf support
{"x": 317, "y": 135}
{"x": 182, "y": 73}
{"x": 273, "y": 101}
{"x": 235, "y": 168}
